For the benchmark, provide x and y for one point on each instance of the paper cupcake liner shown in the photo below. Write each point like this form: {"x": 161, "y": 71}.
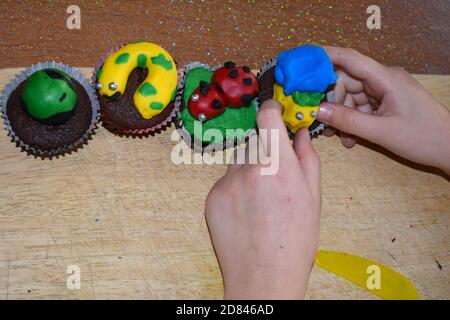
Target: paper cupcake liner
{"x": 196, "y": 144}
{"x": 314, "y": 132}
{"x": 129, "y": 132}
{"x": 72, "y": 73}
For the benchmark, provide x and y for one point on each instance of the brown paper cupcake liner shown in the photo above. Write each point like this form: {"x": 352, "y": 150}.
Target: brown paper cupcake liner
{"x": 317, "y": 127}
{"x": 63, "y": 150}
{"x": 129, "y": 132}
{"x": 196, "y": 144}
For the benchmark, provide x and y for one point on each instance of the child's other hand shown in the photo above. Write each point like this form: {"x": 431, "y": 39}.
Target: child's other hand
{"x": 386, "y": 106}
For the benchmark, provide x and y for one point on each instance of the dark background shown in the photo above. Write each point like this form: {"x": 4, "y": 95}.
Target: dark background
{"x": 415, "y": 34}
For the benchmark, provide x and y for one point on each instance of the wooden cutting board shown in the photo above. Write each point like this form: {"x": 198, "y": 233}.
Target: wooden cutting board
{"x": 133, "y": 221}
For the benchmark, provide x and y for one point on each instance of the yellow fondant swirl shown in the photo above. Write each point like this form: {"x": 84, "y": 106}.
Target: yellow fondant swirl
{"x": 156, "y": 91}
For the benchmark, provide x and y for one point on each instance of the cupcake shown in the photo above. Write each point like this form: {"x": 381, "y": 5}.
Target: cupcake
{"x": 136, "y": 85}
{"x": 49, "y": 109}
{"x": 223, "y": 98}
{"x": 299, "y": 79}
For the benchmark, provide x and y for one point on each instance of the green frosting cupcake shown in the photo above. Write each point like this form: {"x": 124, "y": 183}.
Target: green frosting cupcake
{"x": 233, "y": 118}
{"x": 49, "y": 96}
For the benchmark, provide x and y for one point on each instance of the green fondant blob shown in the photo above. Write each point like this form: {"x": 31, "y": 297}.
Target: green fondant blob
{"x": 243, "y": 118}
{"x": 309, "y": 99}
{"x": 156, "y": 105}
{"x": 174, "y": 93}
{"x": 162, "y": 61}
{"x": 123, "y": 58}
{"x": 49, "y": 97}
{"x": 147, "y": 89}
{"x": 142, "y": 61}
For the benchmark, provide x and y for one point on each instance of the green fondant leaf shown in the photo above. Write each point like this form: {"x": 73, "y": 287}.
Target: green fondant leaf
{"x": 147, "y": 89}
{"x": 162, "y": 61}
{"x": 174, "y": 93}
{"x": 142, "y": 61}
{"x": 99, "y": 73}
{"x": 309, "y": 99}
{"x": 156, "y": 105}
{"x": 123, "y": 58}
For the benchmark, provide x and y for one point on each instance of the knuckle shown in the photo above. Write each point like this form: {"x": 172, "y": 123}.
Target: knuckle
{"x": 315, "y": 157}
{"x": 217, "y": 189}
{"x": 399, "y": 72}
{"x": 211, "y": 196}
{"x": 252, "y": 175}
{"x": 340, "y": 74}
{"x": 349, "y": 118}
{"x": 351, "y": 51}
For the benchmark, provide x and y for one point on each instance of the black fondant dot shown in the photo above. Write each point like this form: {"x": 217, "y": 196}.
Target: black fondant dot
{"x": 246, "y": 69}
{"x": 204, "y": 87}
{"x": 246, "y": 98}
{"x": 233, "y": 73}
{"x": 219, "y": 88}
{"x": 229, "y": 64}
{"x": 217, "y": 104}
{"x": 63, "y": 96}
{"x": 248, "y": 81}
{"x": 204, "y": 84}
{"x": 54, "y": 75}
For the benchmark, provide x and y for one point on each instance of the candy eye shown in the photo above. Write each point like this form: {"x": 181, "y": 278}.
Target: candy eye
{"x": 202, "y": 117}
{"x": 98, "y": 86}
{"x": 195, "y": 97}
{"x": 112, "y": 86}
{"x": 299, "y": 115}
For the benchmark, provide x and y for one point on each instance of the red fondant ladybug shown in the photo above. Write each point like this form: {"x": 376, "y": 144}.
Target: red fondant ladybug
{"x": 238, "y": 84}
{"x": 206, "y": 102}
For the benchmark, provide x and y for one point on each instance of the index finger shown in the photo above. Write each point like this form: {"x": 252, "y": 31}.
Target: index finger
{"x": 361, "y": 67}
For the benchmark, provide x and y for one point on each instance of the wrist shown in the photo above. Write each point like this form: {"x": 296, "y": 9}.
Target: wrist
{"x": 271, "y": 285}
{"x": 264, "y": 292}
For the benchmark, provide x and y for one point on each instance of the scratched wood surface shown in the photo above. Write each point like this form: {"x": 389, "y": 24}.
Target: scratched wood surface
{"x": 133, "y": 221}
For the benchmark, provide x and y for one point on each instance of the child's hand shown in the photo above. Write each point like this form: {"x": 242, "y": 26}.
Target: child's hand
{"x": 388, "y": 107}
{"x": 265, "y": 228}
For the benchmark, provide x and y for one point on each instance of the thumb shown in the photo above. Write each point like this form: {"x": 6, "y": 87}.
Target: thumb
{"x": 348, "y": 120}
{"x": 309, "y": 159}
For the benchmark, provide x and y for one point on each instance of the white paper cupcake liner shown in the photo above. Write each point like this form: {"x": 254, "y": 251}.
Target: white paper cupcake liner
{"x": 72, "y": 73}
{"x": 196, "y": 144}
{"x": 314, "y": 132}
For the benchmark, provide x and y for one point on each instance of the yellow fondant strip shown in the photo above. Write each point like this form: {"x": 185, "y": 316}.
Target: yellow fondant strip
{"x": 156, "y": 91}
{"x": 370, "y": 275}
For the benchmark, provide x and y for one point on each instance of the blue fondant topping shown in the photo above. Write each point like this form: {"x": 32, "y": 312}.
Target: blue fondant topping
{"x": 305, "y": 68}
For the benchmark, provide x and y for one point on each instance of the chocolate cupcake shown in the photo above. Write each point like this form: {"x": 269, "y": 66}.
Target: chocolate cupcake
{"x": 49, "y": 109}
{"x": 223, "y": 98}
{"x": 136, "y": 86}
{"x": 299, "y": 79}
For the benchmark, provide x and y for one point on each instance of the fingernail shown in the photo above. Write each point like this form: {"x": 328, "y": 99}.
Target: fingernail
{"x": 325, "y": 112}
